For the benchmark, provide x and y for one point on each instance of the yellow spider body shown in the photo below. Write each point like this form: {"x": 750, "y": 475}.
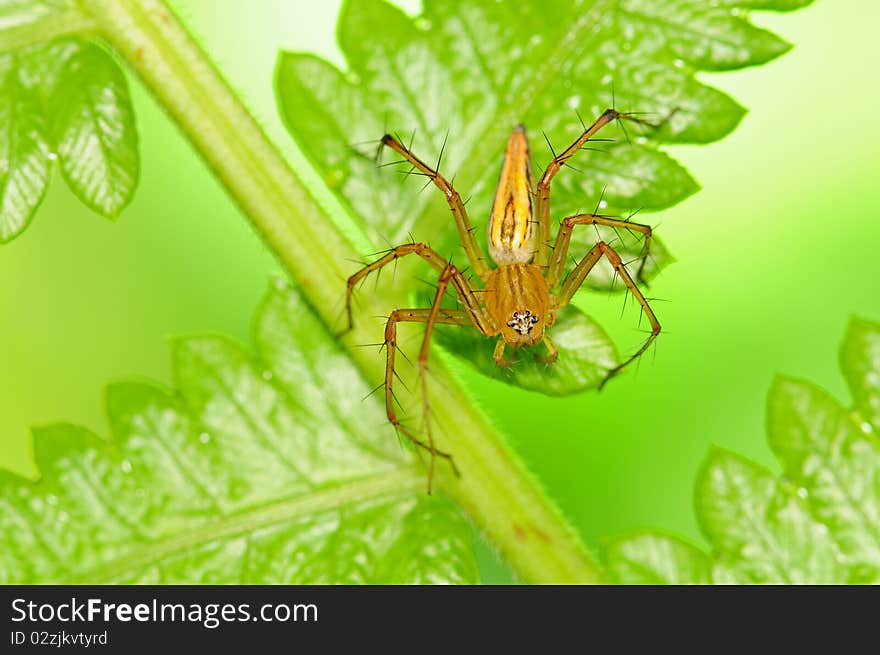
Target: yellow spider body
{"x": 519, "y": 298}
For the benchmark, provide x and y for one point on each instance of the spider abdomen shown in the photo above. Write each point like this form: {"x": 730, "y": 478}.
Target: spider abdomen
{"x": 511, "y": 237}
{"x": 518, "y": 299}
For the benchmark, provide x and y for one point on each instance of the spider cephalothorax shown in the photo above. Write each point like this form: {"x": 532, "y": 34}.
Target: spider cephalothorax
{"x": 521, "y": 295}
{"x": 512, "y": 290}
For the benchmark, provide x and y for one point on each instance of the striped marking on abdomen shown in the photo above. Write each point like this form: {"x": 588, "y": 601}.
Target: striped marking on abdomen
{"x": 510, "y": 228}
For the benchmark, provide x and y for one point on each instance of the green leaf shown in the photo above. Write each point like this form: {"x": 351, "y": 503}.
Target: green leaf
{"x": 18, "y": 13}
{"x": 860, "y": 360}
{"x": 69, "y": 97}
{"x": 26, "y": 81}
{"x": 458, "y": 78}
{"x": 762, "y": 529}
{"x": 817, "y": 524}
{"x": 585, "y": 355}
{"x": 25, "y": 24}
{"x": 24, "y": 152}
{"x": 264, "y": 468}
{"x": 653, "y": 558}
{"x": 473, "y": 69}
{"x": 775, "y": 5}
{"x": 706, "y": 35}
{"x": 824, "y": 451}
{"x": 94, "y": 131}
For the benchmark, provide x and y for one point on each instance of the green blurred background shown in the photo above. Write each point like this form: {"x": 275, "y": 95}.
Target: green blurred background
{"x": 774, "y": 254}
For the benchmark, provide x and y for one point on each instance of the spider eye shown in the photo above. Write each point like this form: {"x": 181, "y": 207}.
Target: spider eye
{"x": 523, "y": 321}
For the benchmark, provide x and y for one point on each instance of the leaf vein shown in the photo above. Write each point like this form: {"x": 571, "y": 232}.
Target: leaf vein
{"x": 399, "y": 482}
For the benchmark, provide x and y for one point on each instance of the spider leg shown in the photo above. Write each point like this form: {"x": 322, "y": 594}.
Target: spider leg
{"x": 563, "y": 239}
{"x": 434, "y": 314}
{"x": 462, "y": 222}
{"x": 552, "y": 352}
{"x": 465, "y": 293}
{"x": 542, "y": 191}
{"x": 576, "y": 278}
{"x": 431, "y": 317}
{"x": 498, "y": 355}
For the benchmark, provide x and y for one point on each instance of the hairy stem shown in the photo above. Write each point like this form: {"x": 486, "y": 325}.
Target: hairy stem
{"x": 494, "y": 489}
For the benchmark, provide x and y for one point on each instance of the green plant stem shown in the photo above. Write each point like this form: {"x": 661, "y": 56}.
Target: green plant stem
{"x": 495, "y": 489}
